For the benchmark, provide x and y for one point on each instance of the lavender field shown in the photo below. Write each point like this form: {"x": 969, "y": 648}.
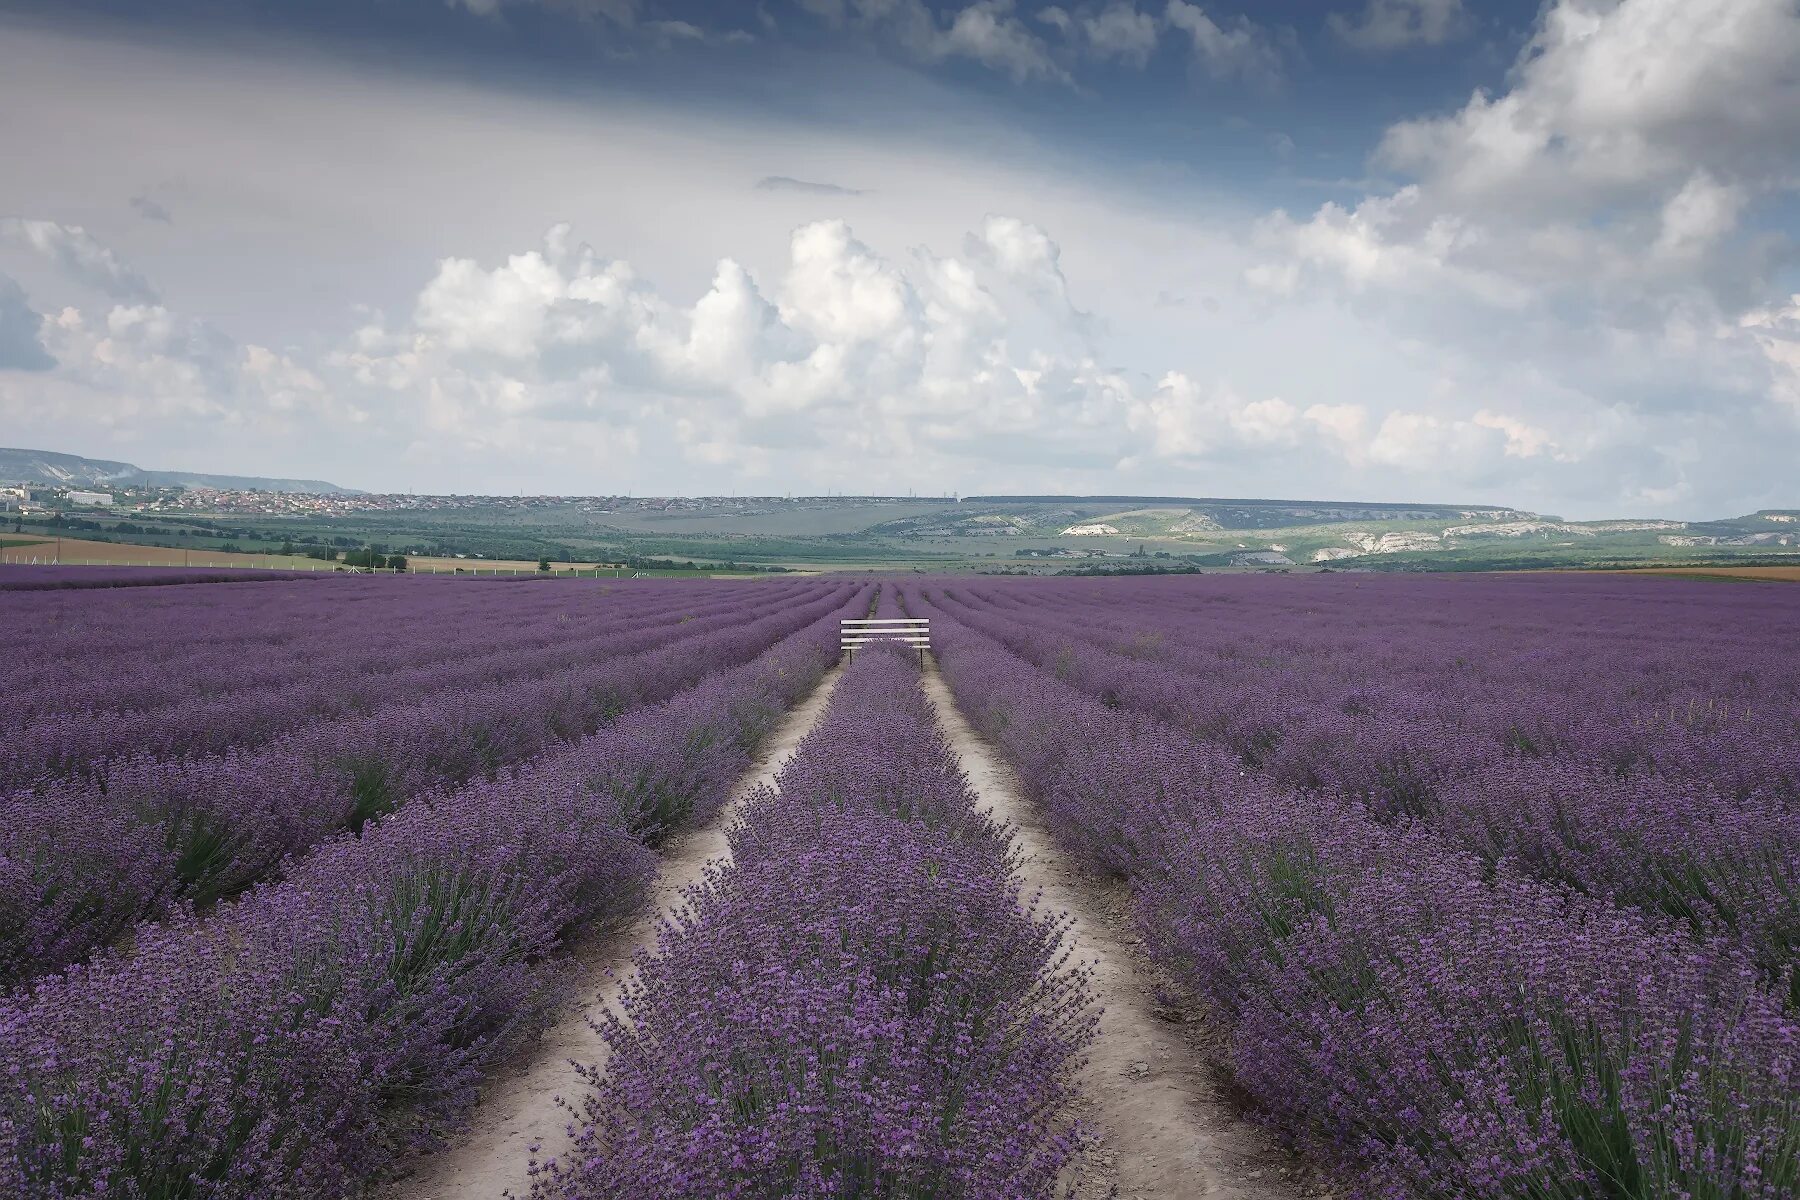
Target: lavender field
{"x": 1476, "y": 886}
{"x": 1491, "y": 884}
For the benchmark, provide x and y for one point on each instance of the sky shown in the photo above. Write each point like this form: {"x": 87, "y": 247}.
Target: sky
{"x": 1433, "y": 250}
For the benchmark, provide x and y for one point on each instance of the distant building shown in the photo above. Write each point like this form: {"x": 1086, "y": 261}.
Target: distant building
{"x": 96, "y": 499}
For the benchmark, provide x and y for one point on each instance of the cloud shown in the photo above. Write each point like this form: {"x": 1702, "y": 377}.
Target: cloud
{"x": 619, "y": 12}
{"x": 20, "y": 347}
{"x": 1022, "y": 258}
{"x": 973, "y": 365}
{"x": 1591, "y": 229}
{"x": 148, "y": 349}
{"x": 1238, "y": 49}
{"x": 1617, "y": 349}
{"x": 782, "y": 183}
{"x": 151, "y": 210}
{"x": 1118, "y": 32}
{"x": 1392, "y": 24}
{"x": 75, "y": 252}
{"x": 677, "y": 31}
{"x": 980, "y": 358}
{"x": 1698, "y": 216}
{"x": 1776, "y": 329}
{"x": 1622, "y": 101}
{"x": 623, "y": 17}
{"x": 988, "y": 32}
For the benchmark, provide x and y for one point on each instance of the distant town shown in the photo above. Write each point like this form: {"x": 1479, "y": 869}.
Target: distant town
{"x": 39, "y": 499}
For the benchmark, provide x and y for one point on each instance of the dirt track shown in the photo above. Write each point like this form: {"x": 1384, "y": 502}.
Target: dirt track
{"x": 519, "y": 1107}
{"x": 1165, "y": 1131}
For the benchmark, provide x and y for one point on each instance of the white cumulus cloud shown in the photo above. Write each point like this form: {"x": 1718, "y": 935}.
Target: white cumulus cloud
{"x": 1229, "y": 48}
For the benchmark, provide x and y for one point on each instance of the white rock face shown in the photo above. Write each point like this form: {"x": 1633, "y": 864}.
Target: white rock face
{"x": 1515, "y": 529}
{"x": 1089, "y": 531}
{"x": 1746, "y": 539}
{"x": 1395, "y": 543}
{"x": 1333, "y": 553}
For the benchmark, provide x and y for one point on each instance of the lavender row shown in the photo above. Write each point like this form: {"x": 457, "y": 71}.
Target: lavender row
{"x": 312, "y": 1034}
{"x": 1429, "y": 676}
{"x": 36, "y": 577}
{"x": 1654, "y": 640}
{"x": 261, "y": 638}
{"x": 189, "y": 640}
{"x": 168, "y": 624}
{"x": 861, "y": 1003}
{"x": 469, "y": 649}
{"x": 1675, "y": 834}
{"x": 79, "y": 865}
{"x": 1430, "y": 1027}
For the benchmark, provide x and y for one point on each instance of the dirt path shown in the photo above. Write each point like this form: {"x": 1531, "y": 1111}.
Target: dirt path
{"x": 518, "y": 1108}
{"x": 1165, "y": 1130}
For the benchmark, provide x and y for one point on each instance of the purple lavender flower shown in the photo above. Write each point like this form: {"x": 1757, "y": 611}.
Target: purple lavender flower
{"x": 861, "y": 1003}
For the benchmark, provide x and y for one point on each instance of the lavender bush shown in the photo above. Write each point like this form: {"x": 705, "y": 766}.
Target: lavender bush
{"x": 861, "y": 1004}
{"x": 1642, "y": 762}
{"x": 196, "y": 829}
{"x": 296, "y": 1042}
{"x": 1432, "y": 1024}
{"x": 210, "y": 702}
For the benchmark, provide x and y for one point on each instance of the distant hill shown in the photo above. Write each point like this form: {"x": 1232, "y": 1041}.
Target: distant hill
{"x": 1163, "y": 516}
{"x": 1246, "y": 513}
{"x": 48, "y": 466}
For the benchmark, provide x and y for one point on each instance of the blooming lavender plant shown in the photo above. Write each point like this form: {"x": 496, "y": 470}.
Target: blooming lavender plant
{"x": 196, "y": 829}
{"x": 296, "y": 1042}
{"x": 1619, "y": 767}
{"x": 209, "y": 709}
{"x": 1433, "y": 1024}
{"x": 861, "y": 1004}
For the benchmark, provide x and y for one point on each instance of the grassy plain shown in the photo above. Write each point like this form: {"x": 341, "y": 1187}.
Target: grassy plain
{"x": 82, "y": 552}
{"x": 1011, "y": 534}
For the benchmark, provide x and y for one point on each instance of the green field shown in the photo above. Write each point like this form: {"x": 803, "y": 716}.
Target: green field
{"x": 1039, "y": 535}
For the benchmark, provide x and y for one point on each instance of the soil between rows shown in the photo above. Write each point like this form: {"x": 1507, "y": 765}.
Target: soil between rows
{"x": 1166, "y": 1129}
{"x": 519, "y": 1108}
